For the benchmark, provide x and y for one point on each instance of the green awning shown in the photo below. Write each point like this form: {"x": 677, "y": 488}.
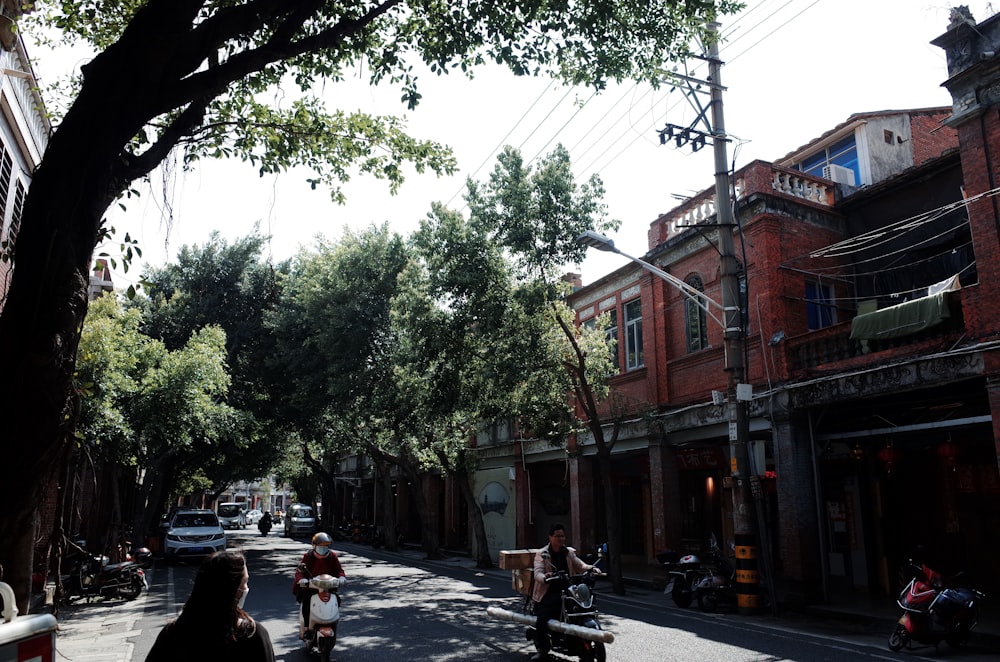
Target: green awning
{"x": 902, "y": 319}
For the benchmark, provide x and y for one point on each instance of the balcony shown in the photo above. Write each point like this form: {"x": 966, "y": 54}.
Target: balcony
{"x": 832, "y": 348}
{"x": 758, "y": 177}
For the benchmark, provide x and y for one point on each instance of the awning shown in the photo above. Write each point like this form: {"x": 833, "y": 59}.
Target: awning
{"x": 902, "y": 319}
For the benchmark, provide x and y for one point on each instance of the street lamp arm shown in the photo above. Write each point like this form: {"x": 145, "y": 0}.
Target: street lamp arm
{"x": 602, "y": 243}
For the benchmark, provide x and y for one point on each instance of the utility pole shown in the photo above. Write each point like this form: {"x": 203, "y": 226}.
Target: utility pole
{"x": 734, "y": 336}
{"x": 744, "y": 480}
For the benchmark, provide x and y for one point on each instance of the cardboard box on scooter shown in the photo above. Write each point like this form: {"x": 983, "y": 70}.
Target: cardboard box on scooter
{"x": 517, "y": 559}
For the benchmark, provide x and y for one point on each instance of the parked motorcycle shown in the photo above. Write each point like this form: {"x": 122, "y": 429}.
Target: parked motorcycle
{"x": 91, "y": 575}
{"x": 935, "y": 610}
{"x": 320, "y": 634}
{"x": 577, "y": 632}
{"x": 718, "y": 585}
{"x": 142, "y": 556}
{"x": 683, "y": 574}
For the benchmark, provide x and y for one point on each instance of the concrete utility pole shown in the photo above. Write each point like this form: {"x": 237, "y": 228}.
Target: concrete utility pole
{"x": 744, "y": 480}
{"x": 734, "y": 335}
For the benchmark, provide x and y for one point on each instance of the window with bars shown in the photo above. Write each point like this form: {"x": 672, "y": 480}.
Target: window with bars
{"x": 6, "y": 168}
{"x": 694, "y": 317}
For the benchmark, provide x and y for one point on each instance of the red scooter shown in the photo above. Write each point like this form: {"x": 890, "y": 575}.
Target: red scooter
{"x": 934, "y": 611}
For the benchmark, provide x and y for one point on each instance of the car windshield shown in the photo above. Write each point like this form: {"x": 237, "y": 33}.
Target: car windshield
{"x": 195, "y": 519}
{"x": 302, "y": 512}
{"x": 231, "y": 510}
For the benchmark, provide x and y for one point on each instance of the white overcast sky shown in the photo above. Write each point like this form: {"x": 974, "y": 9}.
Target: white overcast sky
{"x": 793, "y": 69}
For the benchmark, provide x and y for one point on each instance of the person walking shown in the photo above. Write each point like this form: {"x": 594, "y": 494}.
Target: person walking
{"x": 213, "y": 624}
{"x": 550, "y": 559}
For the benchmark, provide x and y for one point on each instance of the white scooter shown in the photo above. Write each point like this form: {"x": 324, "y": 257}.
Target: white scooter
{"x": 324, "y": 615}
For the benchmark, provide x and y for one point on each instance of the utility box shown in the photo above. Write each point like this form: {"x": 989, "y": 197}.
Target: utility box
{"x": 517, "y": 559}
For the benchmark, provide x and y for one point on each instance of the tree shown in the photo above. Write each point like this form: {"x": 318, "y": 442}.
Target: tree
{"x": 146, "y": 407}
{"x": 227, "y": 285}
{"x": 333, "y": 344}
{"x": 536, "y": 215}
{"x": 188, "y": 75}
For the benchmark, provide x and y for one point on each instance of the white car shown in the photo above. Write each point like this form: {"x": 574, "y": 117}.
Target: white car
{"x": 253, "y": 516}
{"x": 193, "y": 533}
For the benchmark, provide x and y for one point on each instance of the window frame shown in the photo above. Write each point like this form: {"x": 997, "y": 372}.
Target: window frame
{"x": 694, "y": 315}
{"x": 821, "y": 307}
{"x": 634, "y": 355}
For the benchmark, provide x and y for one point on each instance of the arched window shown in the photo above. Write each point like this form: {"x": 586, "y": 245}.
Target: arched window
{"x": 694, "y": 317}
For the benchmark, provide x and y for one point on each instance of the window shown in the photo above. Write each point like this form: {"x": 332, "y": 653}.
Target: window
{"x": 694, "y": 317}
{"x": 494, "y": 432}
{"x": 820, "y": 308}
{"x": 633, "y": 335}
{"x": 844, "y": 153}
{"x": 612, "y": 334}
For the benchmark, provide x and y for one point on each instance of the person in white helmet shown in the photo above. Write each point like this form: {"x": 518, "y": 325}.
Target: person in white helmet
{"x": 319, "y": 560}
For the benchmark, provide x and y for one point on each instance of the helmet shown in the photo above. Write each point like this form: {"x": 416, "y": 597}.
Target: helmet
{"x": 321, "y": 543}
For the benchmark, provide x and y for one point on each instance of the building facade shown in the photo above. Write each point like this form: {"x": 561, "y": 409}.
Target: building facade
{"x": 871, "y": 349}
{"x": 24, "y": 133}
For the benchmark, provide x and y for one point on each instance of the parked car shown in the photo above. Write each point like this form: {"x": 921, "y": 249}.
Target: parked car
{"x": 253, "y": 516}
{"x": 300, "y": 519}
{"x": 232, "y": 515}
{"x": 193, "y": 532}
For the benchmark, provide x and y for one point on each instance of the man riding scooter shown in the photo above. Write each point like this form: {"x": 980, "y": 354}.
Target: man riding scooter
{"x": 321, "y": 559}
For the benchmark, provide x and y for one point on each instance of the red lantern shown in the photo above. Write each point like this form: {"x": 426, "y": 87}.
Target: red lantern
{"x": 889, "y": 456}
{"x": 948, "y": 451}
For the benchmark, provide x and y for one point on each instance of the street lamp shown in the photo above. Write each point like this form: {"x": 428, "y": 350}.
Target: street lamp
{"x": 603, "y": 243}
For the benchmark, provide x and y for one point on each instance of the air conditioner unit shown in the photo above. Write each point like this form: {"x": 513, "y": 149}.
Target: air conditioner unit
{"x": 839, "y": 174}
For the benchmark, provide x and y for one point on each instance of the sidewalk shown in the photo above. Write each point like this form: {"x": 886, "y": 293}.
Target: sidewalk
{"x": 97, "y": 632}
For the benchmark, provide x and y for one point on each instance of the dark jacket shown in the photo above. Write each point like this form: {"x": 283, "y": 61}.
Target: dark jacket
{"x": 253, "y": 644}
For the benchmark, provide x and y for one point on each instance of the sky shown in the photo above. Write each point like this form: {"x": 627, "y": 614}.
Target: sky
{"x": 792, "y": 70}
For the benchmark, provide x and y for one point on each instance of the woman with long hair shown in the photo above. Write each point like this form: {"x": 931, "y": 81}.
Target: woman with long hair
{"x": 213, "y": 625}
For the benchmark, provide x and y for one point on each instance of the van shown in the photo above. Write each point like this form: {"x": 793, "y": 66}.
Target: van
{"x": 232, "y": 515}
{"x": 300, "y": 519}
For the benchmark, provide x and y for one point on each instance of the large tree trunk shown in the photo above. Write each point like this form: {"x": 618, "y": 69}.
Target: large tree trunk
{"x": 482, "y": 546}
{"x": 614, "y": 528}
{"x": 390, "y": 535}
{"x": 79, "y": 177}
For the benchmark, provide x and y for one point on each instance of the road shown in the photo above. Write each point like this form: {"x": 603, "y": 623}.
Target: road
{"x": 397, "y": 609}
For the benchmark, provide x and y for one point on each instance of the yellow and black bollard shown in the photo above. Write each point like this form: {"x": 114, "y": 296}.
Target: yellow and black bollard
{"x": 747, "y": 580}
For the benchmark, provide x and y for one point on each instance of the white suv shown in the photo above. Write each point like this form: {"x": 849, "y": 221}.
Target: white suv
{"x": 193, "y": 532}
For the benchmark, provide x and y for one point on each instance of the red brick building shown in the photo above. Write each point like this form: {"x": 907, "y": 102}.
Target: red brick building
{"x": 869, "y": 263}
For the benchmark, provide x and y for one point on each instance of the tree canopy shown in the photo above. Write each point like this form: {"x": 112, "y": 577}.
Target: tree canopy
{"x": 189, "y": 75}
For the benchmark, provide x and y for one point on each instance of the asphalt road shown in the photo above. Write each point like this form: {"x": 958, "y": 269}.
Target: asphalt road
{"x": 399, "y": 608}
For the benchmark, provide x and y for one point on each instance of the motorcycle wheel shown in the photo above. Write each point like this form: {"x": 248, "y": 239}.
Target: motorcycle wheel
{"x": 708, "y": 601}
{"x": 132, "y": 591}
{"x": 681, "y": 595}
{"x": 325, "y": 646}
{"x": 595, "y": 654}
{"x": 899, "y": 638}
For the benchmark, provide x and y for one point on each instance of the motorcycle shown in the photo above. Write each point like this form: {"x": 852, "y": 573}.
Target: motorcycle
{"x": 320, "y": 634}
{"x": 91, "y": 575}
{"x": 684, "y": 573}
{"x": 264, "y": 526}
{"x": 577, "y": 632}
{"x": 142, "y": 556}
{"x": 718, "y": 585}
{"x": 934, "y": 611}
